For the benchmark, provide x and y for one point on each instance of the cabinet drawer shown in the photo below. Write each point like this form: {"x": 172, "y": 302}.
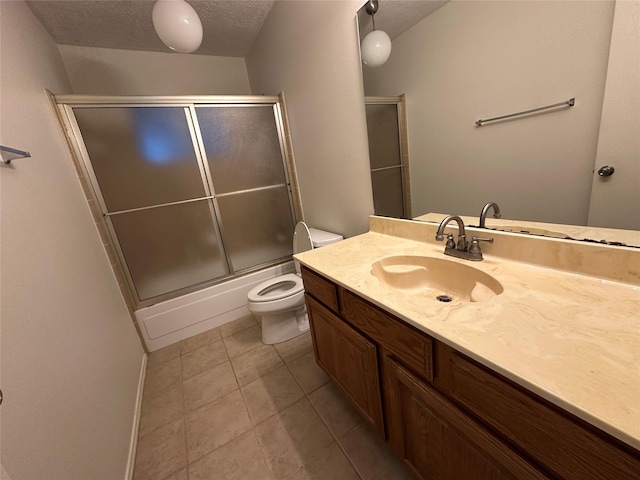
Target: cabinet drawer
{"x": 414, "y": 348}
{"x": 321, "y": 288}
{"x": 565, "y": 445}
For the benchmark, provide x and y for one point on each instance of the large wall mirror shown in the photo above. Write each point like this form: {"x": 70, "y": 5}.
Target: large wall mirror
{"x": 457, "y": 62}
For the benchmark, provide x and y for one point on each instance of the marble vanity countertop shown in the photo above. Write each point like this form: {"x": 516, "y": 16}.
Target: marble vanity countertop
{"x": 571, "y": 338}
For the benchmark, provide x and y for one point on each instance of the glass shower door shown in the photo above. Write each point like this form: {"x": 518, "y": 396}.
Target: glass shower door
{"x": 388, "y": 167}
{"x": 193, "y": 191}
{"x": 151, "y": 189}
{"x": 245, "y": 162}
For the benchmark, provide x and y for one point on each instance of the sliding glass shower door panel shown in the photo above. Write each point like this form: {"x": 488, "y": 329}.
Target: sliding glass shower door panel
{"x": 387, "y": 192}
{"x": 258, "y": 227}
{"x": 385, "y": 157}
{"x": 384, "y": 140}
{"x": 141, "y": 156}
{"x": 244, "y": 155}
{"x": 169, "y": 248}
{"x": 242, "y": 147}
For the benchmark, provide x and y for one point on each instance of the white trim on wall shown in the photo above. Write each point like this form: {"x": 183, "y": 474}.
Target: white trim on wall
{"x": 133, "y": 445}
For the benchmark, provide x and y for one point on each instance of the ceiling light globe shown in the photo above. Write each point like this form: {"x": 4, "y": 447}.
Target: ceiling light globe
{"x": 177, "y": 24}
{"x": 376, "y": 48}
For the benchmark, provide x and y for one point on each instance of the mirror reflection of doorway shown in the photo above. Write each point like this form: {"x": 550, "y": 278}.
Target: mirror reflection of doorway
{"x": 389, "y": 156}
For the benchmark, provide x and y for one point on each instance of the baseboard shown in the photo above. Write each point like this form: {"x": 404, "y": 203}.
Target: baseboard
{"x": 136, "y": 422}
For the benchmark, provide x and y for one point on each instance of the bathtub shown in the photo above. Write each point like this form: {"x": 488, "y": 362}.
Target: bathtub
{"x": 173, "y": 320}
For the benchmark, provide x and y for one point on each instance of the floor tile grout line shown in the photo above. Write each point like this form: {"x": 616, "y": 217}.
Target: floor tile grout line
{"x": 182, "y": 342}
{"x": 255, "y": 425}
{"x": 346, "y": 454}
{"x": 209, "y": 367}
{"x": 244, "y": 399}
{"x": 153, "y": 365}
{"x": 324, "y": 422}
{"x": 184, "y": 422}
{"x": 264, "y": 453}
{"x": 336, "y": 438}
{"x": 158, "y": 427}
{"x": 180, "y": 383}
{"x": 294, "y": 358}
{"x": 189, "y": 462}
{"x": 233, "y": 368}
{"x": 241, "y": 330}
{"x": 305, "y": 396}
{"x": 209, "y": 403}
{"x": 146, "y": 396}
{"x": 250, "y": 350}
{"x": 278, "y": 411}
{"x": 200, "y": 407}
{"x": 200, "y": 457}
{"x": 184, "y": 412}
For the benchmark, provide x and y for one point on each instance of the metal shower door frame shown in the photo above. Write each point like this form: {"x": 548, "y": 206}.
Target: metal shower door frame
{"x": 66, "y": 104}
{"x": 401, "y": 107}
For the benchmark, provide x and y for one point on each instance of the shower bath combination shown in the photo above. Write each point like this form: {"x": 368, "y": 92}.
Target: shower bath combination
{"x": 194, "y": 192}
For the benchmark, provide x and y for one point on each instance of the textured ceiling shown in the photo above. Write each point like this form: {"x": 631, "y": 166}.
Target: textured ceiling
{"x": 397, "y": 16}
{"x": 230, "y": 26}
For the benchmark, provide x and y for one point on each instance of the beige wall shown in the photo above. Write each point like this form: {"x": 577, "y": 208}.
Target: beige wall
{"x": 70, "y": 356}
{"x": 472, "y": 60}
{"x": 309, "y": 50}
{"x": 105, "y": 71}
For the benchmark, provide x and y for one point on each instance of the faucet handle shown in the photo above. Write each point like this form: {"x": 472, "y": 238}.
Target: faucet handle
{"x": 450, "y": 243}
{"x": 480, "y": 239}
{"x": 474, "y": 248}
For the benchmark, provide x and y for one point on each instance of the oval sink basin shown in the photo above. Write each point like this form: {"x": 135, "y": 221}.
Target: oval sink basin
{"x": 439, "y": 277}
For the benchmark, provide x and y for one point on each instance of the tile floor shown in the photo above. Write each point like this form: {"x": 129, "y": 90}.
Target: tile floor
{"x": 222, "y": 405}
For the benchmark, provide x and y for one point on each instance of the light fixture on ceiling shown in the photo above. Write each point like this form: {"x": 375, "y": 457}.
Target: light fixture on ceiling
{"x": 177, "y": 24}
{"x": 376, "y": 46}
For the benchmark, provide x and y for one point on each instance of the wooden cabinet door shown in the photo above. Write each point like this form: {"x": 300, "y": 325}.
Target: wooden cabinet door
{"x": 437, "y": 441}
{"x": 349, "y": 359}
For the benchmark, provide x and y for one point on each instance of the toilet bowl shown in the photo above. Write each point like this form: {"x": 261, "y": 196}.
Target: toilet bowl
{"x": 279, "y": 302}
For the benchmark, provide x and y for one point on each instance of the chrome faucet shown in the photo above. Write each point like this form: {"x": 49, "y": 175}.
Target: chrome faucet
{"x": 462, "y": 236}
{"x": 485, "y": 211}
{"x": 460, "y": 249}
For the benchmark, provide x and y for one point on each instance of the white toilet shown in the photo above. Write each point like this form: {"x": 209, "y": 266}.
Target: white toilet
{"x": 280, "y": 301}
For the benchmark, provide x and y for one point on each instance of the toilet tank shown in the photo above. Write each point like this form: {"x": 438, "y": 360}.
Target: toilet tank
{"x": 320, "y": 238}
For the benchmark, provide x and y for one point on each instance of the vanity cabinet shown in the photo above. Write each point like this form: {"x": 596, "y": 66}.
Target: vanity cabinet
{"x": 442, "y": 413}
{"x": 349, "y": 359}
{"x": 436, "y": 441}
{"x": 567, "y": 446}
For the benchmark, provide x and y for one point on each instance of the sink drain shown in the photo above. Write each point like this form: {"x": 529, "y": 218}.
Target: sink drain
{"x": 444, "y": 298}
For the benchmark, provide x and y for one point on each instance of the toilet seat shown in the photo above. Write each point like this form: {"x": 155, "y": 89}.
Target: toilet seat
{"x": 276, "y": 289}
{"x": 280, "y": 302}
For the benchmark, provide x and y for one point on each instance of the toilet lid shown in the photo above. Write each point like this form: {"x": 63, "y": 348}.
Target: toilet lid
{"x": 301, "y": 238}
{"x": 276, "y": 288}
